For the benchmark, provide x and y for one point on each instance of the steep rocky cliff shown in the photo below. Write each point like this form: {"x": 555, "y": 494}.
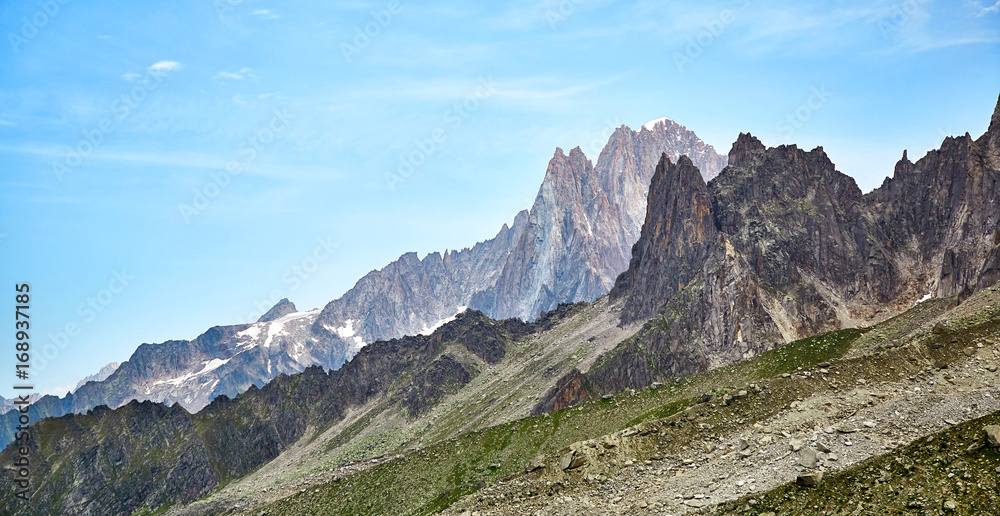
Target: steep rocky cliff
{"x": 677, "y": 236}
{"x": 797, "y": 250}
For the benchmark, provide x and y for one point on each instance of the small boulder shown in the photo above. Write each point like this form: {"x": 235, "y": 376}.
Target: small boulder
{"x": 808, "y": 457}
{"x": 949, "y": 506}
{"x": 536, "y": 463}
{"x": 992, "y": 435}
{"x": 809, "y": 478}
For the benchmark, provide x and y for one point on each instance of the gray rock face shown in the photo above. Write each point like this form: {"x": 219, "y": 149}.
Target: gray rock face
{"x": 586, "y": 218}
{"x": 572, "y": 246}
{"x": 411, "y": 296}
{"x": 280, "y": 309}
{"x": 99, "y": 376}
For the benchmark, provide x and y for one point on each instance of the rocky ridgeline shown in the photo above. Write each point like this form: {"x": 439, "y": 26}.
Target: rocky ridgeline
{"x": 780, "y": 245}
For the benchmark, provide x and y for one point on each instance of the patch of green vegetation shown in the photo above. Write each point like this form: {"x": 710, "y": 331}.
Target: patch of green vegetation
{"x": 803, "y": 353}
{"x": 665, "y": 410}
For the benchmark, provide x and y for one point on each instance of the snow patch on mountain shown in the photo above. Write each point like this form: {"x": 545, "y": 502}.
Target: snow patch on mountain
{"x": 652, "y": 123}
{"x": 430, "y": 329}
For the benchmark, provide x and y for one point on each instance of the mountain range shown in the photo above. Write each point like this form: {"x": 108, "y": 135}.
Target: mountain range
{"x": 568, "y": 247}
{"x": 737, "y": 301}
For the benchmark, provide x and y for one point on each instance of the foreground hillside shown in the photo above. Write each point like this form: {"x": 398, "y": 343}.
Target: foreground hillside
{"x": 707, "y": 439}
{"x": 717, "y": 436}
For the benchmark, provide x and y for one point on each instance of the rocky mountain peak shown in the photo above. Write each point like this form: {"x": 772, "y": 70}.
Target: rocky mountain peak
{"x": 995, "y": 120}
{"x": 990, "y": 140}
{"x": 676, "y": 237}
{"x": 746, "y": 150}
{"x": 280, "y": 309}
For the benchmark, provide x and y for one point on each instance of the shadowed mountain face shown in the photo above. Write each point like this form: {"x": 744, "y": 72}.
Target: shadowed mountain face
{"x": 794, "y": 249}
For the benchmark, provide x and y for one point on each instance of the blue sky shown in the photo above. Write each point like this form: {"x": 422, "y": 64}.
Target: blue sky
{"x": 169, "y": 166}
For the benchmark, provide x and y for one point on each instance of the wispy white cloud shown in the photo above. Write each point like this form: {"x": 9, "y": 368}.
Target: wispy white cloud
{"x": 131, "y": 76}
{"x": 266, "y": 14}
{"x": 995, "y": 8}
{"x": 243, "y": 73}
{"x": 161, "y": 67}
{"x": 238, "y": 99}
{"x": 6, "y": 123}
